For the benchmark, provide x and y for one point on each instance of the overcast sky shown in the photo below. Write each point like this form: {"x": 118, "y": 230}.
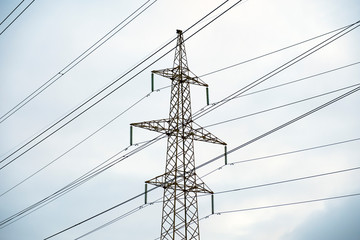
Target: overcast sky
{"x": 51, "y": 34}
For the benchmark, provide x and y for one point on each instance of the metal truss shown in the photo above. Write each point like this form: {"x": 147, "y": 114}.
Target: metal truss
{"x": 180, "y": 182}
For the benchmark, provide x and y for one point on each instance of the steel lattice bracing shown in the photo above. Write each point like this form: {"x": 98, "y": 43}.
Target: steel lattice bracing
{"x": 180, "y": 182}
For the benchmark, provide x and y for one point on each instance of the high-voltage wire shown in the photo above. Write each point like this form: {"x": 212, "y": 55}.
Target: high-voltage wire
{"x": 76, "y": 61}
{"x": 130, "y": 79}
{"x": 79, "y": 143}
{"x": 16, "y": 16}
{"x": 13, "y": 218}
{"x": 11, "y": 12}
{"x": 144, "y": 97}
{"x": 100, "y": 213}
{"x": 242, "y": 161}
{"x": 117, "y": 218}
{"x": 283, "y": 67}
{"x": 84, "y": 178}
{"x": 287, "y": 181}
{"x": 282, "y": 106}
{"x": 48, "y": 136}
{"x": 70, "y": 66}
{"x": 237, "y": 148}
{"x": 280, "y": 85}
{"x": 141, "y": 207}
{"x": 107, "y": 210}
{"x": 254, "y": 92}
{"x": 272, "y": 52}
{"x": 281, "y": 154}
{"x": 284, "y": 204}
{"x": 220, "y": 192}
{"x": 285, "y": 124}
{"x": 122, "y": 151}
{"x": 112, "y": 91}
{"x": 276, "y": 206}
{"x": 291, "y": 82}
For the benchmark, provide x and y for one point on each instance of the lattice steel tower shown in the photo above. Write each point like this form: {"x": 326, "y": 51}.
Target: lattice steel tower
{"x": 180, "y": 182}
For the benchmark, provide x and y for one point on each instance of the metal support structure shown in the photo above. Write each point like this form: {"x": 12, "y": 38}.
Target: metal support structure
{"x": 207, "y": 96}
{"x": 152, "y": 82}
{"x": 180, "y": 182}
{"x": 131, "y": 135}
{"x": 212, "y": 204}
{"x": 145, "y": 200}
{"x": 225, "y": 155}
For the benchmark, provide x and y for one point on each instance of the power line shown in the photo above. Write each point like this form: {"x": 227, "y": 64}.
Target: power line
{"x": 258, "y": 91}
{"x": 16, "y": 16}
{"x": 108, "y": 86}
{"x": 233, "y": 150}
{"x": 284, "y": 204}
{"x": 287, "y": 181}
{"x": 291, "y": 82}
{"x": 284, "y": 66}
{"x": 105, "y": 211}
{"x": 82, "y": 141}
{"x": 272, "y": 52}
{"x": 275, "y": 206}
{"x": 79, "y": 181}
{"x": 157, "y": 90}
{"x": 218, "y": 123}
{"x": 6, "y": 221}
{"x": 61, "y": 72}
{"x": 127, "y": 110}
{"x": 220, "y": 192}
{"x": 320, "y": 73}
{"x": 251, "y": 93}
{"x": 116, "y": 219}
{"x": 282, "y": 154}
{"x": 271, "y": 131}
{"x": 284, "y": 124}
{"x": 94, "y": 173}
{"x": 282, "y": 106}
{"x": 243, "y": 161}
{"x": 136, "y": 75}
{"x": 11, "y": 12}
{"x": 77, "y": 60}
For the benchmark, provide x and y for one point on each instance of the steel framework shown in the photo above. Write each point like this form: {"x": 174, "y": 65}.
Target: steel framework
{"x": 180, "y": 182}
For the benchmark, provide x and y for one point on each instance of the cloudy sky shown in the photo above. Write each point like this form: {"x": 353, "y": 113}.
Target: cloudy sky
{"x": 49, "y": 35}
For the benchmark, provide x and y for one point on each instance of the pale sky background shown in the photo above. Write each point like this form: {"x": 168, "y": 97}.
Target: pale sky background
{"x": 50, "y": 34}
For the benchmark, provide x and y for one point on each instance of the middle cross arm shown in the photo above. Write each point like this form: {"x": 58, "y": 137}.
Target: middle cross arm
{"x": 162, "y": 126}
{"x": 173, "y": 74}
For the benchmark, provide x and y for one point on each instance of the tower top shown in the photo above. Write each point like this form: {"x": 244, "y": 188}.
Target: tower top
{"x": 180, "y": 71}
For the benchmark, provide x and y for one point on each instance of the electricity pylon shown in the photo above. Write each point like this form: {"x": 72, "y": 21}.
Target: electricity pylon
{"x": 180, "y": 182}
